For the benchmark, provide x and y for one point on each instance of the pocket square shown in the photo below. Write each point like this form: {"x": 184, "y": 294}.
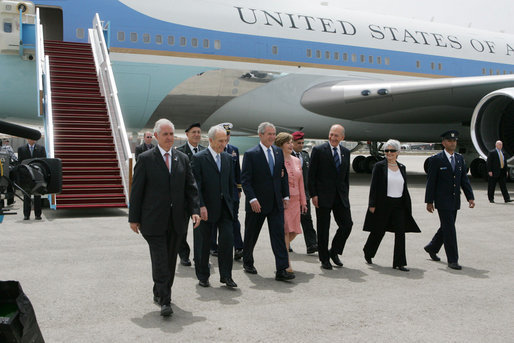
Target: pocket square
{"x": 443, "y": 168}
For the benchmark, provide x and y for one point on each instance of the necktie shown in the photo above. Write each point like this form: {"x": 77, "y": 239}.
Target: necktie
{"x": 196, "y": 150}
{"x": 452, "y": 162}
{"x": 31, "y": 151}
{"x": 271, "y": 163}
{"x": 218, "y": 162}
{"x": 167, "y": 158}
{"x": 336, "y": 158}
{"x": 501, "y": 158}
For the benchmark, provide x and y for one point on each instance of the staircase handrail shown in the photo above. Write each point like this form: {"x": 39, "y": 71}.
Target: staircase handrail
{"x": 110, "y": 93}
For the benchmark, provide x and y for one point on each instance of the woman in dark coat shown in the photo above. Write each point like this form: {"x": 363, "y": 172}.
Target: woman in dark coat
{"x": 389, "y": 206}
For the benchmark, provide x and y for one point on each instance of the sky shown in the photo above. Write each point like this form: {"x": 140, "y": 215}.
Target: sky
{"x": 493, "y": 15}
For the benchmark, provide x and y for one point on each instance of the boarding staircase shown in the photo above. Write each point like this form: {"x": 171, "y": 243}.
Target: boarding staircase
{"x": 82, "y": 131}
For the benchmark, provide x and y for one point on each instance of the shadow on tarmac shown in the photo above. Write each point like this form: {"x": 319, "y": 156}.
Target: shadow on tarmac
{"x": 180, "y": 319}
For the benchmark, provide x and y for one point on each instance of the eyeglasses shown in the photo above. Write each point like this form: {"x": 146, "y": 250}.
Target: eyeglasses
{"x": 390, "y": 150}
{"x": 148, "y": 136}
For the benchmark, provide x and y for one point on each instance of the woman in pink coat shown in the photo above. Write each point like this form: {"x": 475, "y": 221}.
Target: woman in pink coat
{"x": 297, "y": 202}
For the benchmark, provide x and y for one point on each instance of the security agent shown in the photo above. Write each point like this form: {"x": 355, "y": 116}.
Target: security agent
{"x": 446, "y": 175}
{"x": 497, "y": 172}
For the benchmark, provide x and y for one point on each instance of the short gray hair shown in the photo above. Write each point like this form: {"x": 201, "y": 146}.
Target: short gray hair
{"x": 215, "y": 129}
{"x": 159, "y": 123}
{"x": 262, "y": 127}
{"x": 393, "y": 143}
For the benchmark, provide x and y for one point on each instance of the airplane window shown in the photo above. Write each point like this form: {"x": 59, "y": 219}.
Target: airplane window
{"x": 354, "y": 58}
{"x": 183, "y": 41}
{"x": 432, "y": 65}
{"x": 146, "y": 38}
{"x": 370, "y": 59}
{"x": 194, "y": 42}
{"x": 363, "y": 58}
{"x": 418, "y": 64}
{"x": 439, "y": 66}
{"x": 206, "y": 43}
{"x": 171, "y": 40}
{"x": 79, "y": 33}
{"x": 327, "y": 55}
{"x": 379, "y": 60}
{"x": 274, "y": 50}
{"x": 217, "y": 44}
{"x": 7, "y": 27}
{"x": 336, "y": 55}
{"x": 386, "y": 61}
{"x": 345, "y": 56}
{"x": 490, "y": 72}
{"x": 309, "y": 53}
{"x": 497, "y": 72}
{"x": 121, "y": 36}
{"x": 484, "y": 71}
{"x": 158, "y": 39}
{"x": 133, "y": 37}
{"x": 318, "y": 54}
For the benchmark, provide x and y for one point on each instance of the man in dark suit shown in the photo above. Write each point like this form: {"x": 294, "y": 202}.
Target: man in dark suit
{"x": 233, "y": 151}
{"x": 328, "y": 188}
{"x": 497, "y": 171}
{"x": 214, "y": 176}
{"x": 266, "y": 188}
{"x": 146, "y": 145}
{"x": 163, "y": 195}
{"x": 191, "y": 147}
{"x": 26, "y": 152}
{"x": 446, "y": 176}
{"x": 309, "y": 234}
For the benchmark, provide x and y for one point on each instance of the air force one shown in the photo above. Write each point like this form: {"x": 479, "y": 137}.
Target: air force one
{"x": 302, "y": 68}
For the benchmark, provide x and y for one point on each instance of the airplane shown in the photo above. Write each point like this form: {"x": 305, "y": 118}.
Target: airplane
{"x": 302, "y": 67}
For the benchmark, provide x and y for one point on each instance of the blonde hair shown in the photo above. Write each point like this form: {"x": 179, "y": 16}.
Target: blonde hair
{"x": 282, "y": 138}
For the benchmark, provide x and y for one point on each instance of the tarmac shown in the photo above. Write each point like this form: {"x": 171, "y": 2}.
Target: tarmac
{"x": 88, "y": 277}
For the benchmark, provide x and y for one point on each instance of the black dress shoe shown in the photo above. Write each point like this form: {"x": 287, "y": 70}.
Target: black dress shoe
{"x": 326, "y": 265}
{"x": 238, "y": 254}
{"x": 433, "y": 255}
{"x": 402, "y": 268}
{"x": 290, "y": 249}
{"x": 214, "y": 253}
{"x": 250, "y": 269}
{"x": 284, "y": 275}
{"x": 368, "y": 259}
{"x": 335, "y": 258}
{"x": 312, "y": 249}
{"x": 204, "y": 283}
{"x": 166, "y": 310}
{"x": 229, "y": 282}
{"x": 491, "y": 201}
{"x": 38, "y": 217}
{"x": 509, "y": 200}
{"x": 185, "y": 262}
{"x": 454, "y": 265}
{"x": 26, "y": 218}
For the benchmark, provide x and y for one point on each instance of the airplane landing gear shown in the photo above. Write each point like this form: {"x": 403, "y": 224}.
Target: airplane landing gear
{"x": 365, "y": 164}
{"x": 478, "y": 168}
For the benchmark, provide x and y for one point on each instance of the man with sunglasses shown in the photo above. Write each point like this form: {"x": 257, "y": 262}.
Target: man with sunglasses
{"x": 146, "y": 145}
{"x": 447, "y": 174}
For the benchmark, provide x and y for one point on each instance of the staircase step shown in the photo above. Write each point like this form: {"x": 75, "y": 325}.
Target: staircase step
{"x": 63, "y": 45}
{"x": 60, "y": 132}
{"x": 82, "y": 124}
{"x": 80, "y": 148}
{"x": 97, "y": 205}
{"x": 87, "y": 162}
{"x": 92, "y": 189}
{"x": 64, "y": 154}
{"x": 82, "y": 140}
{"x": 101, "y": 180}
{"x": 75, "y": 79}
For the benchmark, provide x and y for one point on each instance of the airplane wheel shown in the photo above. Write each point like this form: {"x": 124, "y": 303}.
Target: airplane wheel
{"x": 356, "y": 164}
{"x": 478, "y": 168}
{"x": 369, "y": 163}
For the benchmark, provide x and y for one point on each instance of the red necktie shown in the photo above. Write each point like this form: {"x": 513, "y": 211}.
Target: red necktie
{"x": 167, "y": 155}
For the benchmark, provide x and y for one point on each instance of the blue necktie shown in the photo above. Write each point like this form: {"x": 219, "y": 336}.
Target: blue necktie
{"x": 218, "y": 162}
{"x": 452, "y": 162}
{"x": 271, "y": 163}
{"x": 336, "y": 158}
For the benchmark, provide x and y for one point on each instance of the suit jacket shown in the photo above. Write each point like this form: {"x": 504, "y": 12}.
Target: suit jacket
{"x": 324, "y": 179}
{"x": 259, "y": 183}
{"x": 444, "y": 184}
{"x": 306, "y": 163}
{"x": 142, "y": 148}
{"x": 214, "y": 187}
{"x": 378, "y": 198}
{"x": 493, "y": 163}
{"x": 24, "y": 152}
{"x": 185, "y": 149}
{"x": 154, "y": 190}
{"x": 233, "y": 151}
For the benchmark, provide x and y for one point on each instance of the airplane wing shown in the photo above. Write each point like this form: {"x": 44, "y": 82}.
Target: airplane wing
{"x": 411, "y": 101}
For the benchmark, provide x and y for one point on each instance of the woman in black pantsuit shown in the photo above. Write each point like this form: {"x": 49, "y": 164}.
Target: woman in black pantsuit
{"x": 389, "y": 206}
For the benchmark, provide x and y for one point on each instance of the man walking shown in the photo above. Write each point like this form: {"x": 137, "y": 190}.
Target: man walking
{"x": 497, "y": 171}
{"x": 26, "y": 152}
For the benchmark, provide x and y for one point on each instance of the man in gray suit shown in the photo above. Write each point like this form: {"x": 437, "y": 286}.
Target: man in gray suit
{"x": 214, "y": 176}
{"x": 163, "y": 195}
{"x": 146, "y": 145}
{"x": 190, "y": 148}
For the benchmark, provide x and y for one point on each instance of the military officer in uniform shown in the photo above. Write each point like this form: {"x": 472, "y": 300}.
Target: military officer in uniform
{"x": 446, "y": 176}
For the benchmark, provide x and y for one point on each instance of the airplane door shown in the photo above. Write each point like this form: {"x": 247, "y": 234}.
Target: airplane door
{"x": 51, "y": 19}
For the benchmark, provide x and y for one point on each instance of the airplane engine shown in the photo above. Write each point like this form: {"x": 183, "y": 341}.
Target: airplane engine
{"x": 492, "y": 120}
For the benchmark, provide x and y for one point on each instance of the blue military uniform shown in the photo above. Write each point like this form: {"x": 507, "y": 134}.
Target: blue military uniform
{"x": 444, "y": 182}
